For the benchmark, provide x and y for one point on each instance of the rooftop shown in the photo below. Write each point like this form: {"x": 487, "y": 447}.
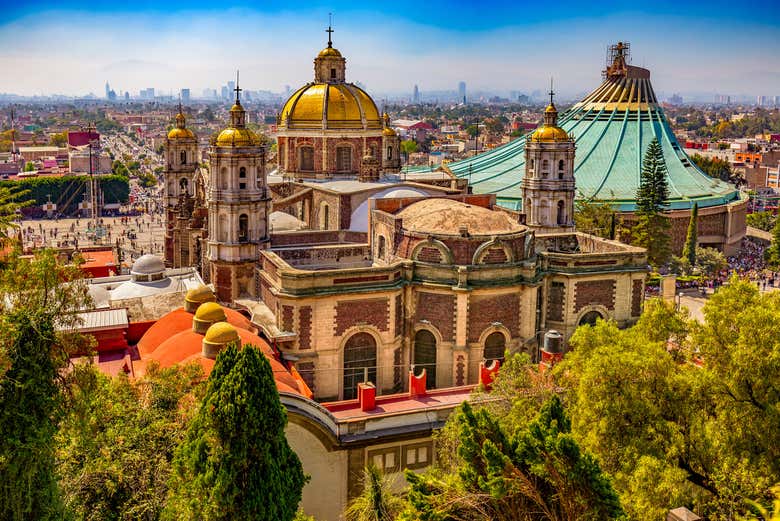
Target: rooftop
{"x": 447, "y": 216}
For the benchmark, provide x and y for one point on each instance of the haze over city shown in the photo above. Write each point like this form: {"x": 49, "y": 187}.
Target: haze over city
{"x": 695, "y": 48}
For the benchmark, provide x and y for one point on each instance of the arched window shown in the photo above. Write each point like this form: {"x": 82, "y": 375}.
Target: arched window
{"x": 495, "y": 345}
{"x": 561, "y": 218}
{"x": 307, "y": 159}
{"x": 545, "y": 167}
{"x": 183, "y": 183}
{"x": 243, "y": 228}
{"x": 590, "y": 318}
{"x": 242, "y": 172}
{"x": 425, "y": 356}
{"x": 359, "y": 363}
{"x": 344, "y": 159}
{"x": 528, "y": 210}
{"x": 183, "y": 157}
{"x": 389, "y": 153}
{"x": 380, "y": 248}
{"x": 324, "y": 216}
{"x": 223, "y": 178}
{"x": 333, "y": 74}
{"x": 373, "y": 151}
{"x": 560, "y": 169}
{"x": 223, "y": 231}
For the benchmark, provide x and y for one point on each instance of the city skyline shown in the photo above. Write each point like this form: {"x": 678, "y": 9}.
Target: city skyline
{"x": 697, "y": 49}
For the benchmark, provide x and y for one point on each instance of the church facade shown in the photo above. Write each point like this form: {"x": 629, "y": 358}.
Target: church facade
{"x": 389, "y": 275}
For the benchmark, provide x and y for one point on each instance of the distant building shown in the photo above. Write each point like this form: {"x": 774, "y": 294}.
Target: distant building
{"x": 462, "y": 91}
{"x": 416, "y": 95}
{"x": 185, "y": 95}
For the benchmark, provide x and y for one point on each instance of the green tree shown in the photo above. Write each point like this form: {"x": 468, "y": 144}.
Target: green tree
{"x": 235, "y": 462}
{"x": 762, "y": 220}
{"x": 651, "y": 230}
{"x": 376, "y": 502}
{"x": 59, "y": 139}
{"x": 11, "y": 201}
{"x": 596, "y": 217}
{"x": 29, "y": 166}
{"x": 773, "y": 252}
{"x": 116, "y": 443}
{"x": 36, "y": 312}
{"x": 539, "y": 473}
{"x": 710, "y": 261}
{"x": 689, "y": 250}
{"x": 408, "y": 146}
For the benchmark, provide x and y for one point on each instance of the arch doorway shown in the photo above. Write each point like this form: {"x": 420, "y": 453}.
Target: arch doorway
{"x": 425, "y": 356}
{"x": 590, "y": 318}
{"x": 495, "y": 346}
{"x": 359, "y": 361}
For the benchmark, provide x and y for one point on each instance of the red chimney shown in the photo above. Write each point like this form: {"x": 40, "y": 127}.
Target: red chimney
{"x": 417, "y": 383}
{"x": 367, "y": 396}
{"x": 488, "y": 374}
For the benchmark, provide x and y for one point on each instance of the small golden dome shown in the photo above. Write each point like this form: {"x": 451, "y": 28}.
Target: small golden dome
{"x": 237, "y": 137}
{"x": 388, "y": 132}
{"x": 236, "y": 108}
{"x": 551, "y": 108}
{"x": 221, "y": 333}
{"x": 549, "y": 134}
{"x": 329, "y": 51}
{"x": 200, "y": 294}
{"x": 181, "y": 133}
{"x": 210, "y": 312}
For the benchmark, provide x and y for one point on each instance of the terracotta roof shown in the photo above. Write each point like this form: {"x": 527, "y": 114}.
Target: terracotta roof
{"x": 177, "y": 321}
{"x": 446, "y": 216}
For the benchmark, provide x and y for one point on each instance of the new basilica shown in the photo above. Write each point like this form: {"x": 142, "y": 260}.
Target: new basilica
{"x": 386, "y": 296}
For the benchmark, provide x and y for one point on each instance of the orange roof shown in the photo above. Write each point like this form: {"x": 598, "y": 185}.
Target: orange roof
{"x": 177, "y": 321}
{"x": 172, "y": 341}
{"x": 98, "y": 258}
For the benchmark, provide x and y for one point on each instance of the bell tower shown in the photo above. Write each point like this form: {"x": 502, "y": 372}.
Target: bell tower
{"x": 181, "y": 167}
{"x": 238, "y": 207}
{"x": 548, "y": 186}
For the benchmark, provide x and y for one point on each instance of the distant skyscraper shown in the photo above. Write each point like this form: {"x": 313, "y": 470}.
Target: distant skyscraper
{"x": 127, "y": 95}
{"x": 462, "y": 91}
{"x": 225, "y": 92}
{"x": 185, "y": 95}
{"x": 416, "y": 95}
{"x": 231, "y": 87}
{"x": 108, "y": 91}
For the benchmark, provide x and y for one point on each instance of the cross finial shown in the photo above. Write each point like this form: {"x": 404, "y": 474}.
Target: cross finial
{"x": 552, "y": 93}
{"x": 329, "y": 30}
{"x": 238, "y": 91}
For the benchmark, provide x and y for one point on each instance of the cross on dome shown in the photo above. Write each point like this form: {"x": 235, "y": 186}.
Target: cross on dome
{"x": 238, "y": 90}
{"x": 329, "y": 30}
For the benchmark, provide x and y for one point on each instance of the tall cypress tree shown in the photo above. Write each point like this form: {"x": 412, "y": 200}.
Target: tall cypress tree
{"x": 235, "y": 462}
{"x": 689, "y": 251}
{"x": 652, "y": 199}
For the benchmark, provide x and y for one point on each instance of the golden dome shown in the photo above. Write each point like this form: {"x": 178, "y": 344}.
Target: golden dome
{"x": 551, "y": 108}
{"x": 388, "y": 132}
{"x": 329, "y": 51}
{"x": 221, "y": 333}
{"x": 200, "y": 295}
{"x": 210, "y": 312}
{"x": 343, "y": 105}
{"x": 237, "y": 137}
{"x": 181, "y": 133}
{"x": 549, "y": 134}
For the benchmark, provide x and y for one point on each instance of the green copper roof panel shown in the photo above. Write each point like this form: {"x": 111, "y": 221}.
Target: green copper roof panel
{"x": 610, "y": 145}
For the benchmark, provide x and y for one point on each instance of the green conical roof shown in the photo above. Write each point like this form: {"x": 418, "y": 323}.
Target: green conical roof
{"x": 612, "y": 127}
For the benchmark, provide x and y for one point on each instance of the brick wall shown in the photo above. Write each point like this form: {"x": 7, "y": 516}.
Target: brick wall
{"x": 494, "y": 256}
{"x": 429, "y": 254}
{"x": 484, "y": 310}
{"x": 637, "y": 296}
{"x": 287, "y": 318}
{"x": 399, "y": 315}
{"x": 349, "y": 313}
{"x": 267, "y": 296}
{"x": 555, "y": 301}
{"x": 598, "y": 292}
{"x": 439, "y": 310}
{"x": 306, "y": 370}
{"x": 223, "y": 282}
{"x": 304, "y": 327}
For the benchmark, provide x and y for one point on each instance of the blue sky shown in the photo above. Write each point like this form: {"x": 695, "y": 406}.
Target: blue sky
{"x": 691, "y": 47}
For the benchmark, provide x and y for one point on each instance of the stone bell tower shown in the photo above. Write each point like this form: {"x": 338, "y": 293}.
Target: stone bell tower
{"x": 548, "y": 186}
{"x": 238, "y": 207}
{"x": 181, "y": 167}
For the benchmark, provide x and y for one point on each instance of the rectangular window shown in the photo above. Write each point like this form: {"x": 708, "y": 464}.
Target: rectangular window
{"x": 418, "y": 455}
{"x": 386, "y": 460}
{"x": 242, "y": 186}
{"x": 307, "y": 159}
{"x": 344, "y": 159}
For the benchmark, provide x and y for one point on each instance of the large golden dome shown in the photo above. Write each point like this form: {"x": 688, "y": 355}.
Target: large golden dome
{"x": 330, "y": 106}
{"x": 329, "y": 51}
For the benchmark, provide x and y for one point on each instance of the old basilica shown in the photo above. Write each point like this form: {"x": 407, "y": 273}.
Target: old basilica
{"x": 356, "y": 273}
